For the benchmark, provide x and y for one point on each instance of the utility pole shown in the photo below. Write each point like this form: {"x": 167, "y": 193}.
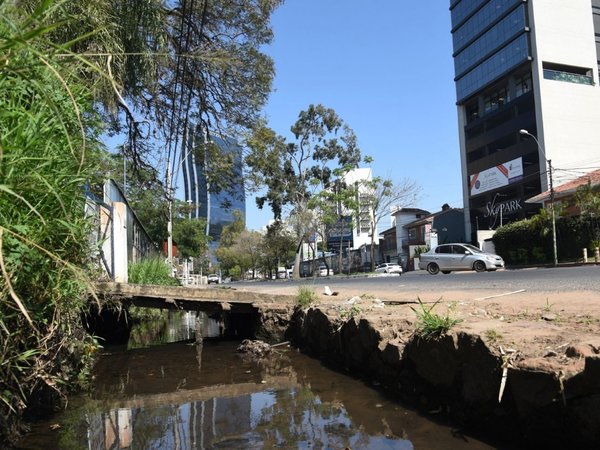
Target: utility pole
{"x": 549, "y": 161}
{"x": 552, "y": 211}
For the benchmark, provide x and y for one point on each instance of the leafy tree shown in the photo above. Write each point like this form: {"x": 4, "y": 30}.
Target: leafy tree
{"x": 226, "y": 253}
{"x": 338, "y": 208}
{"x": 171, "y": 64}
{"x": 190, "y": 236}
{"x": 249, "y": 250}
{"x": 587, "y": 199}
{"x": 278, "y": 247}
{"x": 166, "y": 71}
{"x": 293, "y": 173}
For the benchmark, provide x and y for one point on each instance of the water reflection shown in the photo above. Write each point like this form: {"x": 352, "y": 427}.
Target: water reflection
{"x": 270, "y": 419}
{"x": 174, "y": 326}
{"x": 266, "y": 406}
{"x": 204, "y": 395}
{"x": 183, "y": 396}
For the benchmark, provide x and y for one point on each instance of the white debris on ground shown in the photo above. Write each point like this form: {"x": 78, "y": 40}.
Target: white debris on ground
{"x": 365, "y": 303}
{"x": 329, "y": 292}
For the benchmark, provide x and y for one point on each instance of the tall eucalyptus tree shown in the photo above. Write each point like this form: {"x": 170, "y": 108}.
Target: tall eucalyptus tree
{"x": 294, "y": 173}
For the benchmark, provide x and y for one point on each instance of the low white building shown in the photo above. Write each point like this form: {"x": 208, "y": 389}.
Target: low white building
{"x": 400, "y": 218}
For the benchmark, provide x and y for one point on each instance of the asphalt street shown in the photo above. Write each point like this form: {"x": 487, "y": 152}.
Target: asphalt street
{"x": 531, "y": 280}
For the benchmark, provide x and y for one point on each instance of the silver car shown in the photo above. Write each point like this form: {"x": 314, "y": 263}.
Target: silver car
{"x": 450, "y": 257}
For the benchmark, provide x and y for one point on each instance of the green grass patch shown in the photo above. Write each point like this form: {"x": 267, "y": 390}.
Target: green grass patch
{"x": 306, "y": 296}
{"x": 431, "y": 325}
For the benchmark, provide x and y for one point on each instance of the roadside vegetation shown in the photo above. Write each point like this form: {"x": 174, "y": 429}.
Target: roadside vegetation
{"x": 47, "y": 153}
{"x": 69, "y": 73}
{"x": 431, "y": 325}
{"x": 529, "y": 241}
{"x": 152, "y": 271}
{"x": 242, "y": 251}
{"x": 306, "y": 296}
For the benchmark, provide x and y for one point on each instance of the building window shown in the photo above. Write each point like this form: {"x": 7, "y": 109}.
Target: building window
{"x": 522, "y": 85}
{"x": 570, "y": 74}
{"x": 479, "y": 21}
{"x": 495, "y": 100}
{"x": 502, "y": 32}
{"x": 499, "y": 63}
{"x": 473, "y": 111}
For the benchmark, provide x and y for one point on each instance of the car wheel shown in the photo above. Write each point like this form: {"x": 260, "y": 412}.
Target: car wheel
{"x": 479, "y": 266}
{"x": 433, "y": 268}
{"x": 445, "y": 272}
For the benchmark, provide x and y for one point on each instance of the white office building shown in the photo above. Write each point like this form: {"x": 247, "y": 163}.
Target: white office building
{"x": 528, "y": 92}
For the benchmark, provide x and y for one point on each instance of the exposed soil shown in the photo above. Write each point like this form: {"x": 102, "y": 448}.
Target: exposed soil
{"x": 515, "y": 361}
{"x": 552, "y": 331}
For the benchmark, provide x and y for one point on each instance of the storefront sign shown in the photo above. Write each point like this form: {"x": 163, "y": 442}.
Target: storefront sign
{"x": 504, "y": 208}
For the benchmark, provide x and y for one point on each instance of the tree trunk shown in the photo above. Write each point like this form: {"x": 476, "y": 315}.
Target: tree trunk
{"x": 372, "y": 247}
{"x": 296, "y": 272}
{"x": 314, "y": 264}
{"x": 341, "y": 247}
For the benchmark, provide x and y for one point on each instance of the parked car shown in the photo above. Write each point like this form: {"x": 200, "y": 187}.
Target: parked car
{"x": 213, "y": 278}
{"x": 282, "y": 274}
{"x": 323, "y": 271}
{"x": 389, "y": 268}
{"x": 450, "y": 257}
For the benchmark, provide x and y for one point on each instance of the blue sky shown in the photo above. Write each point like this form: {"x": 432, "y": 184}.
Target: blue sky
{"x": 385, "y": 67}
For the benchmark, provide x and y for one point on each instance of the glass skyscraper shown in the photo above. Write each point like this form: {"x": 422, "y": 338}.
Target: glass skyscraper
{"x": 216, "y": 204}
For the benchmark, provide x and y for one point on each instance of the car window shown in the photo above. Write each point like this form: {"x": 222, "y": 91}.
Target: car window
{"x": 458, "y": 249}
{"x": 444, "y": 249}
{"x": 473, "y": 248}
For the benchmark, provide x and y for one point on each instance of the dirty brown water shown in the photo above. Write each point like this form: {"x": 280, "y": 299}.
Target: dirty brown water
{"x": 186, "y": 396}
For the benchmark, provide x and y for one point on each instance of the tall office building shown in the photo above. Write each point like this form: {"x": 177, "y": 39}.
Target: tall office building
{"x": 216, "y": 206}
{"x": 523, "y": 65}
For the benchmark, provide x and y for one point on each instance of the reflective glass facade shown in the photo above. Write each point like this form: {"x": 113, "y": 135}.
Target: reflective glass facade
{"x": 217, "y": 207}
{"x": 462, "y": 9}
{"x": 502, "y": 32}
{"x": 499, "y": 63}
{"x": 490, "y": 12}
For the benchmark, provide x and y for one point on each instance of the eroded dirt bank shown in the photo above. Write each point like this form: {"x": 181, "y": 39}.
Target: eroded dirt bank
{"x": 549, "y": 360}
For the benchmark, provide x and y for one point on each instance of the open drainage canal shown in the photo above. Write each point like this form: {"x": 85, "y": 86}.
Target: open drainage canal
{"x": 187, "y": 396}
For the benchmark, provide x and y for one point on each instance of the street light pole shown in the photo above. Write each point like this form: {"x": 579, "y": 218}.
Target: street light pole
{"x": 549, "y": 161}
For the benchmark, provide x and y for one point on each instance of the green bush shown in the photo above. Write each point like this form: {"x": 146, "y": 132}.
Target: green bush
{"x": 530, "y": 240}
{"x": 47, "y": 150}
{"x": 152, "y": 271}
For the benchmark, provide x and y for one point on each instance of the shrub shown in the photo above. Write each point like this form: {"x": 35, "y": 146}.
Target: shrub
{"x": 151, "y": 271}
